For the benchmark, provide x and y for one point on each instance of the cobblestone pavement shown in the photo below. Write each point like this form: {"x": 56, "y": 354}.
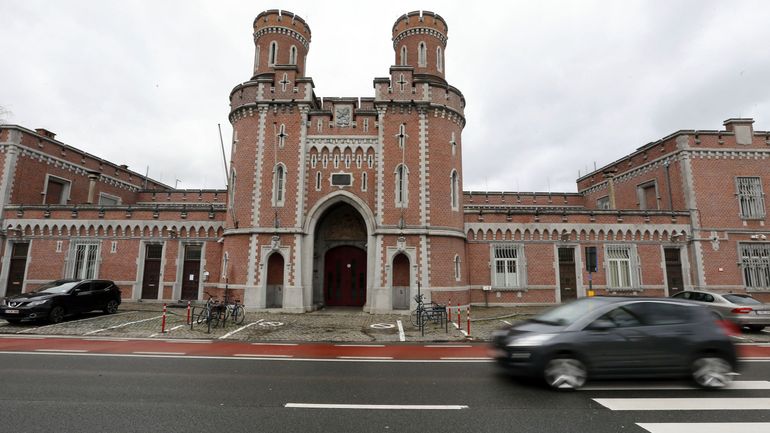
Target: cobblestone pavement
{"x": 143, "y": 320}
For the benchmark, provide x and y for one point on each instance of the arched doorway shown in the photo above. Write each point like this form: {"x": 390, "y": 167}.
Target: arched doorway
{"x": 340, "y": 258}
{"x": 401, "y": 282}
{"x": 274, "y": 294}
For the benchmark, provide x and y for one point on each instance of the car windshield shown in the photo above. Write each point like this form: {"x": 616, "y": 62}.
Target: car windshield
{"x": 567, "y": 314}
{"x": 741, "y": 299}
{"x": 57, "y": 287}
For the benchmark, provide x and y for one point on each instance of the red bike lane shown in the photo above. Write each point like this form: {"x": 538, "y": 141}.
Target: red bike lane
{"x": 216, "y": 348}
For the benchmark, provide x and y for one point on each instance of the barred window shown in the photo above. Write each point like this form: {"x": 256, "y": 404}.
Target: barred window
{"x": 507, "y": 266}
{"x": 755, "y": 261}
{"x": 619, "y": 267}
{"x": 750, "y": 197}
{"x": 83, "y": 257}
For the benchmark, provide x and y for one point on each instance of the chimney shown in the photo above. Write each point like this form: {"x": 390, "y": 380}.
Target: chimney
{"x": 45, "y": 133}
{"x": 742, "y": 129}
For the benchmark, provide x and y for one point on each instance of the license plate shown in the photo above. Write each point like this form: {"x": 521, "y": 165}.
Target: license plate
{"x": 11, "y": 311}
{"x": 763, "y": 312}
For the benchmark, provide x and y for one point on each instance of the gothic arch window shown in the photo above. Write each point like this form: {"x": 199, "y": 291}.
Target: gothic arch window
{"x": 457, "y": 268}
{"x": 455, "y": 190}
{"x": 256, "y": 59}
{"x": 422, "y": 55}
{"x": 401, "y": 186}
{"x": 279, "y": 183}
{"x": 272, "y": 54}
{"x": 439, "y": 59}
{"x": 403, "y": 56}
{"x": 293, "y": 55}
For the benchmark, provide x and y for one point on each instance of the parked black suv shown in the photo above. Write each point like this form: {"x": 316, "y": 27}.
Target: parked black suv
{"x": 57, "y": 299}
{"x": 616, "y": 337}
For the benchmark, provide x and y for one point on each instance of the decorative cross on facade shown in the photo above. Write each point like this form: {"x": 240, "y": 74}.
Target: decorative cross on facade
{"x": 282, "y": 135}
{"x": 285, "y": 82}
{"x": 401, "y": 136}
{"x": 401, "y": 82}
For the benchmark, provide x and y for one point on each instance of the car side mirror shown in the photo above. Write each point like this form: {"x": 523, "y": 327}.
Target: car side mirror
{"x": 601, "y": 325}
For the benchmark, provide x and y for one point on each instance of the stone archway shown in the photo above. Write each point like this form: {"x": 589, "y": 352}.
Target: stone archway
{"x": 340, "y": 257}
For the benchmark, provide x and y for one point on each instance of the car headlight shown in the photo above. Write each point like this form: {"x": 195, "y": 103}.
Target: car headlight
{"x": 530, "y": 340}
{"x": 36, "y": 303}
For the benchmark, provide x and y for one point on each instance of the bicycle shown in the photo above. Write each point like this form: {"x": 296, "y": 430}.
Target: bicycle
{"x": 210, "y": 312}
{"x": 234, "y": 311}
{"x": 432, "y": 312}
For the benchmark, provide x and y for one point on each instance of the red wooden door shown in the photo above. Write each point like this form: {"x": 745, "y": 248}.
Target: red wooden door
{"x": 345, "y": 277}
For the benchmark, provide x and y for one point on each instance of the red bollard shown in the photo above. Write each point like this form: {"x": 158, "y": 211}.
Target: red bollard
{"x": 469, "y": 320}
{"x": 163, "y": 322}
{"x": 188, "y": 312}
{"x": 459, "y": 314}
{"x": 449, "y": 311}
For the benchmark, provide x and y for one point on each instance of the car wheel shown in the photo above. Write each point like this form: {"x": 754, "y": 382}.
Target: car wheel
{"x": 111, "y": 307}
{"x": 711, "y": 371}
{"x": 755, "y": 328}
{"x": 565, "y": 373}
{"x": 56, "y": 314}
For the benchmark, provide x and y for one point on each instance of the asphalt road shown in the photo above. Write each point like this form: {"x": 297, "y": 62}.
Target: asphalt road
{"x": 75, "y": 392}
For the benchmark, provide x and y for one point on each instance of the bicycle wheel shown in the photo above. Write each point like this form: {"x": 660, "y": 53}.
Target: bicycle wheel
{"x": 239, "y": 314}
{"x": 216, "y": 316}
{"x": 203, "y": 315}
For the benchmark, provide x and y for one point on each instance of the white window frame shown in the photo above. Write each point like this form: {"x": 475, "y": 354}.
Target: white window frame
{"x": 401, "y": 186}
{"x": 116, "y": 198}
{"x": 603, "y": 202}
{"x": 422, "y": 55}
{"x": 293, "y": 55}
{"x": 454, "y": 187}
{"x": 621, "y": 267}
{"x": 508, "y": 270}
{"x": 458, "y": 269}
{"x": 439, "y": 60}
{"x": 279, "y": 185}
{"x": 364, "y": 181}
{"x": 318, "y": 181}
{"x": 751, "y": 197}
{"x": 404, "y": 53}
{"x": 755, "y": 265}
{"x": 81, "y": 250}
{"x": 272, "y": 57}
{"x": 256, "y": 59}
{"x": 641, "y": 197}
{"x": 231, "y": 193}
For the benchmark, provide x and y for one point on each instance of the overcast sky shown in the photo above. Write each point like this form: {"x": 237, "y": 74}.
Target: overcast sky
{"x": 552, "y": 87}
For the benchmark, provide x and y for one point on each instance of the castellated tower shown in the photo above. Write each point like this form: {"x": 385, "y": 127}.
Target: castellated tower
{"x": 345, "y": 201}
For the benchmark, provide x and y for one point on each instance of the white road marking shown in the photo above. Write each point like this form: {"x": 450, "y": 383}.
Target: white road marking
{"x": 364, "y": 357}
{"x": 447, "y": 345}
{"x": 172, "y": 329}
{"x": 684, "y": 403}
{"x": 122, "y": 325}
{"x": 62, "y": 350}
{"x": 159, "y": 353}
{"x": 275, "y": 344}
{"x": 263, "y": 355}
{"x": 737, "y": 385}
{"x": 117, "y": 340}
{"x": 359, "y": 345}
{"x": 705, "y": 427}
{"x": 401, "y": 334}
{"x": 241, "y": 329}
{"x": 34, "y": 337}
{"x": 507, "y": 322}
{"x": 377, "y": 406}
{"x": 189, "y": 341}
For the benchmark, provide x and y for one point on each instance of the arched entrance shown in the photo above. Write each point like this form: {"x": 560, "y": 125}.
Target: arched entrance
{"x": 274, "y": 292}
{"x": 340, "y": 258}
{"x": 401, "y": 282}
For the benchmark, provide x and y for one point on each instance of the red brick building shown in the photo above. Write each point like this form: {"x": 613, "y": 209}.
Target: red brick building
{"x": 359, "y": 202}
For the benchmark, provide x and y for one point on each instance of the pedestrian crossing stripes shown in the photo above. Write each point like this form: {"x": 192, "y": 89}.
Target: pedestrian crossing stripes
{"x": 735, "y": 403}
{"x": 701, "y": 427}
